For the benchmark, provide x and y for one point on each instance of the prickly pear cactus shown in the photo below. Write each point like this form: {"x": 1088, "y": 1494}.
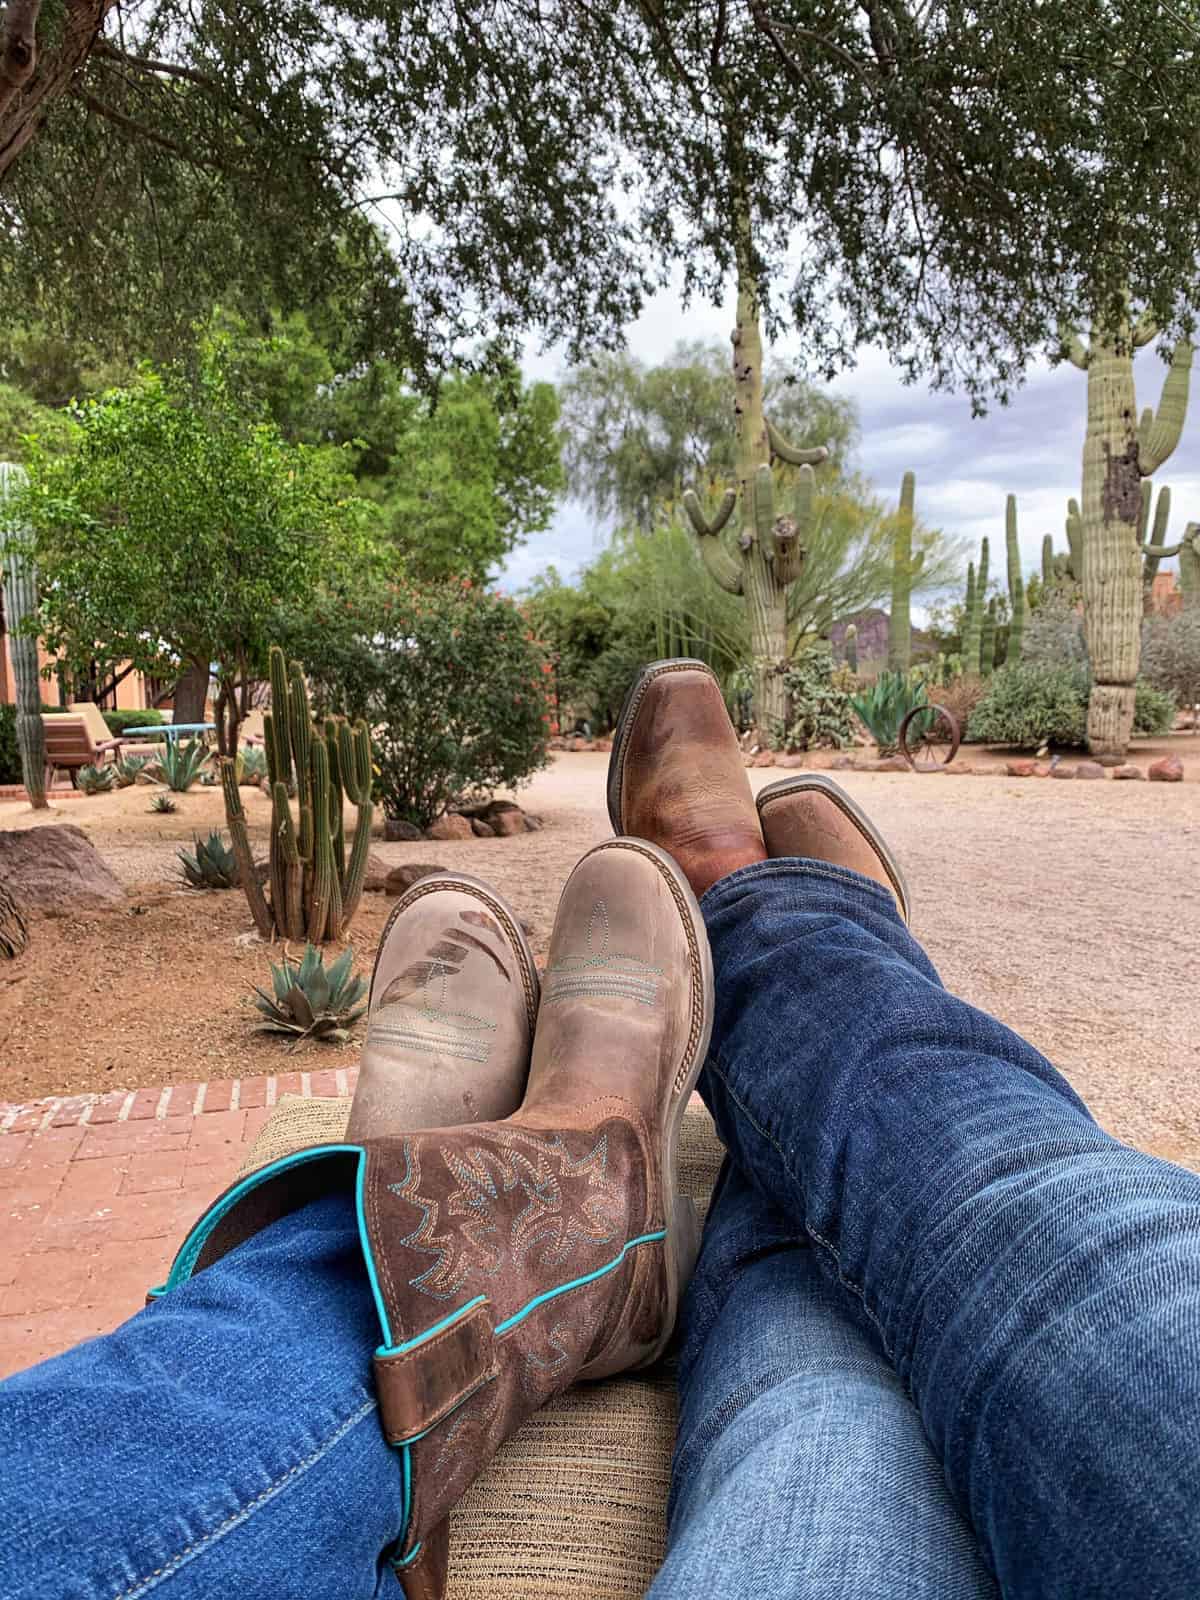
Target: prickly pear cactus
{"x": 20, "y": 600}
{"x": 905, "y": 567}
{"x": 1119, "y": 452}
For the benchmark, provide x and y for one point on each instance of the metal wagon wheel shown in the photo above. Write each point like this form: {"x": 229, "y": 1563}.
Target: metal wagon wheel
{"x": 929, "y": 738}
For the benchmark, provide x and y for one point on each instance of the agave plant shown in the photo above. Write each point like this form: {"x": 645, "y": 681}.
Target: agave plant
{"x": 212, "y": 866}
{"x": 180, "y": 764}
{"x": 163, "y": 802}
{"x": 310, "y": 1001}
{"x": 130, "y": 768}
{"x": 96, "y": 780}
{"x": 251, "y": 765}
{"x": 884, "y": 706}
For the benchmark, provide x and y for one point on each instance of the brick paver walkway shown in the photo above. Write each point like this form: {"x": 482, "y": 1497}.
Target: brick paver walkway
{"x": 97, "y": 1191}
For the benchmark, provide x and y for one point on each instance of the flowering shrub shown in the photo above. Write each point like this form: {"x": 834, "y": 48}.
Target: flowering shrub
{"x": 455, "y": 688}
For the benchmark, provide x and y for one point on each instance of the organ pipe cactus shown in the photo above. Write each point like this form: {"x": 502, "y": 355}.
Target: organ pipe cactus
{"x": 20, "y": 599}
{"x": 315, "y": 887}
{"x": 971, "y": 623}
{"x": 905, "y": 567}
{"x": 987, "y": 641}
{"x": 1189, "y": 567}
{"x": 1047, "y": 559}
{"x": 1016, "y": 583}
{"x": 1119, "y": 452}
{"x": 1153, "y": 537}
{"x": 850, "y": 640}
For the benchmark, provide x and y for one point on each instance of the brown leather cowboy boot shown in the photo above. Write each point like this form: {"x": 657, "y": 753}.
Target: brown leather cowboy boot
{"x": 811, "y": 815}
{"x": 454, "y": 999}
{"x": 676, "y": 774}
{"x": 511, "y": 1258}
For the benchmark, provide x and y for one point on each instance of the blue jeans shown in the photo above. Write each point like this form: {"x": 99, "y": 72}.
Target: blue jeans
{"x": 944, "y": 1334}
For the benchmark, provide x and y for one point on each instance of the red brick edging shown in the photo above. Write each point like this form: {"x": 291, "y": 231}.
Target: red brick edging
{"x": 174, "y": 1100}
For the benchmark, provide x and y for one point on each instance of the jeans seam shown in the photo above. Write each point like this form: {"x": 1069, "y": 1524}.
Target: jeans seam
{"x": 799, "y": 867}
{"x": 817, "y": 1238}
{"x": 171, "y": 1567}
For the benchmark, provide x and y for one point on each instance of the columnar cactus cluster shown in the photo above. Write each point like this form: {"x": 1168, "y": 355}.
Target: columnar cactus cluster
{"x": 974, "y": 615}
{"x": 1017, "y": 606}
{"x": 315, "y": 885}
{"x": 1119, "y": 452}
{"x": 20, "y": 602}
{"x": 987, "y": 641}
{"x": 905, "y": 567}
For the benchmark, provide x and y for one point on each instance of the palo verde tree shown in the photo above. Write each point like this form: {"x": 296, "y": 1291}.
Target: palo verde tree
{"x": 177, "y": 532}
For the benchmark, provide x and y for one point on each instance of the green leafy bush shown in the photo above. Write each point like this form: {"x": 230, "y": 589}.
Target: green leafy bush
{"x": 1031, "y": 704}
{"x": 1171, "y": 655}
{"x": 884, "y": 705}
{"x": 453, "y": 685}
{"x": 119, "y": 721}
{"x": 10, "y": 754}
{"x": 820, "y": 711}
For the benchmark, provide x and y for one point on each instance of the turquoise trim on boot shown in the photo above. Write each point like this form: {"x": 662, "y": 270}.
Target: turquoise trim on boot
{"x": 518, "y": 1317}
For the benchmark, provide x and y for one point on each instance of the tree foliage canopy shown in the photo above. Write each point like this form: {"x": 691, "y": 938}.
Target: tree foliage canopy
{"x": 940, "y": 179}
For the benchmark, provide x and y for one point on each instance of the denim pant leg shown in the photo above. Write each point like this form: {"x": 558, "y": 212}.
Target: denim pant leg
{"x": 801, "y": 1467}
{"x": 223, "y": 1442}
{"x": 1035, "y": 1283}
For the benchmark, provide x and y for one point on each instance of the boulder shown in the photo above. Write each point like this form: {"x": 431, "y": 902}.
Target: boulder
{"x": 793, "y": 758}
{"x": 506, "y": 823}
{"x": 401, "y": 878}
{"x": 889, "y": 764}
{"x": 451, "y": 826}
{"x": 1168, "y": 770}
{"x": 57, "y": 870}
{"x": 1089, "y": 769}
{"x": 377, "y": 874}
{"x": 533, "y": 824}
{"x": 482, "y": 829}
{"x": 765, "y": 758}
{"x": 1043, "y": 769}
{"x": 396, "y": 831}
{"x": 1020, "y": 769}
{"x": 1128, "y": 770}
{"x": 1062, "y": 772}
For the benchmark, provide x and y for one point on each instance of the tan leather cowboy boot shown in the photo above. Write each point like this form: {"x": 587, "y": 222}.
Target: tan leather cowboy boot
{"x": 454, "y": 999}
{"x": 511, "y": 1258}
{"x": 676, "y": 775}
{"x": 811, "y": 815}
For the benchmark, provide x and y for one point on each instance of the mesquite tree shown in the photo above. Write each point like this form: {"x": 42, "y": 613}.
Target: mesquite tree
{"x": 1120, "y": 451}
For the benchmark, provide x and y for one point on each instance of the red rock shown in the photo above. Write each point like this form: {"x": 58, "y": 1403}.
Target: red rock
{"x": 395, "y": 831}
{"x": 401, "y": 878}
{"x": 890, "y": 764}
{"x": 582, "y": 744}
{"x": 842, "y": 763}
{"x": 481, "y": 829}
{"x": 1168, "y": 770}
{"x": 533, "y": 824}
{"x": 765, "y": 758}
{"x": 57, "y": 870}
{"x": 747, "y": 761}
{"x": 451, "y": 826}
{"x": 1020, "y": 769}
{"x": 1062, "y": 772}
{"x": 603, "y": 744}
{"x": 1042, "y": 769}
{"x": 378, "y": 871}
{"x": 506, "y": 823}
{"x": 1089, "y": 769}
{"x": 959, "y": 769}
{"x": 1128, "y": 770}
{"x": 794, "y": 758}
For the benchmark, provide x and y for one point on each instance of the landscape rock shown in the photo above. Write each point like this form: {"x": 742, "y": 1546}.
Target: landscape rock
{"x": 1020, "y": 769}
{"x": 765, "y": 758}
{"x": 1128, "y": 770}
{"x": 1089, "y": 769}
{"x": 959, "y": 769}
{"x": 748, "y": 761}
{"x": 1110, "y": 761}
{"x": 481, "y": 829}
{"x": 889, "y": 764}
{"x": 603, "y": 744}
{"x": 533, "y": 824}
{"x": 377, "y": 874}
{"x": 506, "y": 823}
{"x": 1168, "y": 770}
{"x": 401, "y": 878}
{"x": 842, "y": 763}
{"x": 1043, "y": 769}
{"x": 796, "y": 758}
{"x": 397, "y": 832}
{"x": 582, "y": 744}
{"x": 57, "y": 870}
{"x": 1062, "y": 772}
{"x": 451, "y": 826}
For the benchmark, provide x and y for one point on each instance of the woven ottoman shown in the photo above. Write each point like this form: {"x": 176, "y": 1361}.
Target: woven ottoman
{"x": 574, "y": 1505}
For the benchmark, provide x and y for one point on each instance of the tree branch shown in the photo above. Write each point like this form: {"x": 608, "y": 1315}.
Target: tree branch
{"x": 18, "y": 55}
{"x": 108, "y": 52}
{"x": 138, "y": 129}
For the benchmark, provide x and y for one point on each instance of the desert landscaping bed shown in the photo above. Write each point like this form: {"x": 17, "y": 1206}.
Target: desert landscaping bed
{"x": 1070, "y": 912}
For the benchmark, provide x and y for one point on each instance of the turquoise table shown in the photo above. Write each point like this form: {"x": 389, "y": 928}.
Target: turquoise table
{"x": 172, "y": 730}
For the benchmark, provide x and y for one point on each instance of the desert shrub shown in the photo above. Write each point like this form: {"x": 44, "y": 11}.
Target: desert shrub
{"x": 1032, "y": 704}
{"x": 452, "y": 683}
{"x": 960, "y": 696}
{"x": 820, "y": 712}
{"x": 10, "y": 754}
{"x": 884, "y": 704}
{"x": 119, "y": 721}
{"x": 1171, "y": 655}
{"x": 1053, "y": 634}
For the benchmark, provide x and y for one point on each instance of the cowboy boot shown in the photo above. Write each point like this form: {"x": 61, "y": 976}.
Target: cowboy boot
{"x": 454, "y": 999}
{"x": 676, "y": 774}
{"x": 810, "y": 815}
{"x": 511, "y": 1258}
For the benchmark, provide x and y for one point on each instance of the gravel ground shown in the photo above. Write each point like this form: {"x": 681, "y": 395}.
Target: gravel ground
{"x": 1068, "y": 910}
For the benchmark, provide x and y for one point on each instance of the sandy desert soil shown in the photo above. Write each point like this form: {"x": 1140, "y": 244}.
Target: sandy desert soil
{"x": 1071, "y": 911}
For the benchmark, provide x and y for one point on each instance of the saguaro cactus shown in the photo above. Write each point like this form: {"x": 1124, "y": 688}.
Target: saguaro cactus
{"x": 1047, "y": 559}
{"x": 851, "y": 643}
{"x": 20, "y": 594}
{"x": 971, "y": 623}
{"x": 1153, "y": 538}
{"x": 905, "y": 567}
{"x": 987, "y": 641}
{"x": 315, "y": 889}
{"x": 1117, "y": 454}
{"x": 1189, "y": 567}
{"x": 1016, "y": 583}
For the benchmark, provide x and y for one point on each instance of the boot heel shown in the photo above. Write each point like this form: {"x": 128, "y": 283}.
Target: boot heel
{"x": 686, "y": 1229}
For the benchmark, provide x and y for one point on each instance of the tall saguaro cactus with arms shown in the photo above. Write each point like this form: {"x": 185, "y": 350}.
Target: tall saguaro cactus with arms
{"x": 20, "y": 597}
{"x": 1120, "y": 451}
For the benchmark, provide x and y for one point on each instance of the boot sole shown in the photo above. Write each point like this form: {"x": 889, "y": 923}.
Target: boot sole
{"x": 629, "y": 710}
{"x": 807, "y": 781}
{"x": 682, "y": 1244}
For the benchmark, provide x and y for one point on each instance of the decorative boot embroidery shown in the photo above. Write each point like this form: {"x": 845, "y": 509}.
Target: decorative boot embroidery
{"x": 600, "y": 971}
{"x": 425, "y": 1022}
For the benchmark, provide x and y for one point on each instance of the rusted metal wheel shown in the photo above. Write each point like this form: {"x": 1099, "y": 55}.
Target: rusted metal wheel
{"x": 929, "y": 738}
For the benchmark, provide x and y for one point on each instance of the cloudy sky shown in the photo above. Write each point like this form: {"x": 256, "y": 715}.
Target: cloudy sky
{"x": 965, "y": 466}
